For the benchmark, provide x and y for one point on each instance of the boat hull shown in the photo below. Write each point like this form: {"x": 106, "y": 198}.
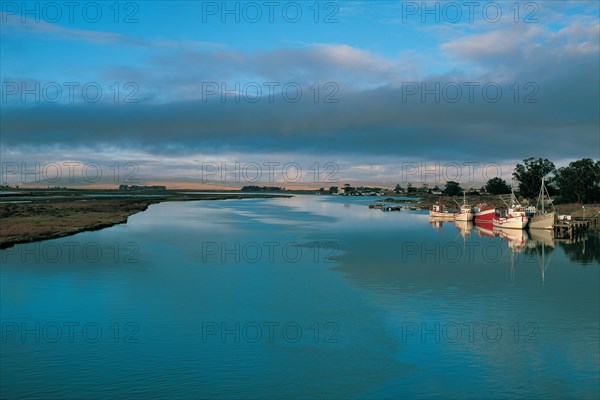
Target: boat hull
{"x": 464, "y": 216}
{"x": 516, "y": 222}
{"x": 485, "y": 215}
{"x": 442, "y": 215}
{"x": 542, "y": 221}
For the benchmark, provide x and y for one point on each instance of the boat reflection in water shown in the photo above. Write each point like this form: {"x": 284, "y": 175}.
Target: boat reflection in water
{"x": 537, "y": 244}
{"x": 485, "y": 229}
{"x": 540, "y": 243}
{"x": 464, "y": 227}
{"x": 517, "y": 242}
{"x": 437, "y": 222}
{"x": 540, "y": 239}
{"x": 516, "y": 238}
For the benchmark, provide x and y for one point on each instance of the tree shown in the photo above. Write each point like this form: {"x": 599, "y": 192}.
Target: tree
{"x": 452, "y": 188}
{"x": 580, "y": 181}
{"x": 398, "y": 189}
{"x": 530, "y": 174}
{"x": 347, "y": 188}
{"x": 497, "y": 186}
{"x": 333, "y": 189}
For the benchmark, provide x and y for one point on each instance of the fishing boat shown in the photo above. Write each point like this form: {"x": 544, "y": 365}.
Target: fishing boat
{"x": 484, "y": 213}
{"x": 466, "y": 211}
{"x": 515, "y": 216}
{"x": 540, "y": 219}
{"x": 438, "y": 211}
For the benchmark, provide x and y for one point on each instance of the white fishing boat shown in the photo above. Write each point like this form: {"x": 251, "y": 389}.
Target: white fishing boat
{"x": 540, "y": 219}
{"x": 466, "y": 211}
{"x": 438, "y": 211}
{"x": 514, "y": 217}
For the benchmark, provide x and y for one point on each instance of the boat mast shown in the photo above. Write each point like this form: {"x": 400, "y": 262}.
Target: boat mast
{"x": 542, "y": 193}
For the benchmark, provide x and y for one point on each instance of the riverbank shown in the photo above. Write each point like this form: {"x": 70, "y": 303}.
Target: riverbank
{"x": 31, "y": 216}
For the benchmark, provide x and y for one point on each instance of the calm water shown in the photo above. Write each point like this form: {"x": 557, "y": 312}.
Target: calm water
{"x": 312, "y": 296}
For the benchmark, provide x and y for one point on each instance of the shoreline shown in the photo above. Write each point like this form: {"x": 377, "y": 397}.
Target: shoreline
{"x": 44, "y": 218}
{"x": 29, "y": 216}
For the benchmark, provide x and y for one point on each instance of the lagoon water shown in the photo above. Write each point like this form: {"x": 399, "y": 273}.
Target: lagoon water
{"x": 307, "y": 297}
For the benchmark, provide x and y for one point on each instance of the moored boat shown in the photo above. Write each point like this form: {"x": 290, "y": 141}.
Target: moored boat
{"x": 466, "y": 211}
{"x": 438, "y": 211}
{"x": 484, "y": 213}
{"x": 514, "y": 218}
{"x": 541, "y": 219}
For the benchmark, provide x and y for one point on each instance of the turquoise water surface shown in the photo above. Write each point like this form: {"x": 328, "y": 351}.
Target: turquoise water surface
{"x": 306, "y": 297}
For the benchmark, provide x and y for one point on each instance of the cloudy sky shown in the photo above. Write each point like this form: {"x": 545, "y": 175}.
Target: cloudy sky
{"x": 382, "y": 92}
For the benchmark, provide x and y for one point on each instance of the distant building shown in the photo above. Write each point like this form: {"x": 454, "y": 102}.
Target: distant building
{"x": 140, "y": 188}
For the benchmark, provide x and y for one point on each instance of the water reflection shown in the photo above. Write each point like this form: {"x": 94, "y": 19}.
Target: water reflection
{"x": 584, "y": 248}
{"x": 464, "y": 227}
{"x": 391, "y": 271}
{"x": 539, "y": 244}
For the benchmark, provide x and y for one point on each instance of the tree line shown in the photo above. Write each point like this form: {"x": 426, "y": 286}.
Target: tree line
{"x": 579, "y": 182}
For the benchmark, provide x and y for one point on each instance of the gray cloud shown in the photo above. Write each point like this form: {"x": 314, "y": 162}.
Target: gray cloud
{"x": 372, "y": 117}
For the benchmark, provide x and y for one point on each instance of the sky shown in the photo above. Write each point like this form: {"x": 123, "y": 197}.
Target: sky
{"x": 299, "y": 93}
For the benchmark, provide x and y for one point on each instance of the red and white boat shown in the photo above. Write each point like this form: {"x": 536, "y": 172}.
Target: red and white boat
{"x": 484, "y": 213}
{"x": 514, "y": 218}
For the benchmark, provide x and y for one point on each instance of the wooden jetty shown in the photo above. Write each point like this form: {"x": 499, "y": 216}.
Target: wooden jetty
{"x": 573, "y": 227}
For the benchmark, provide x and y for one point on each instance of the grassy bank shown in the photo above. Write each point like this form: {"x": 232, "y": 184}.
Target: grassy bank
{"x": 48, "y": 215}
